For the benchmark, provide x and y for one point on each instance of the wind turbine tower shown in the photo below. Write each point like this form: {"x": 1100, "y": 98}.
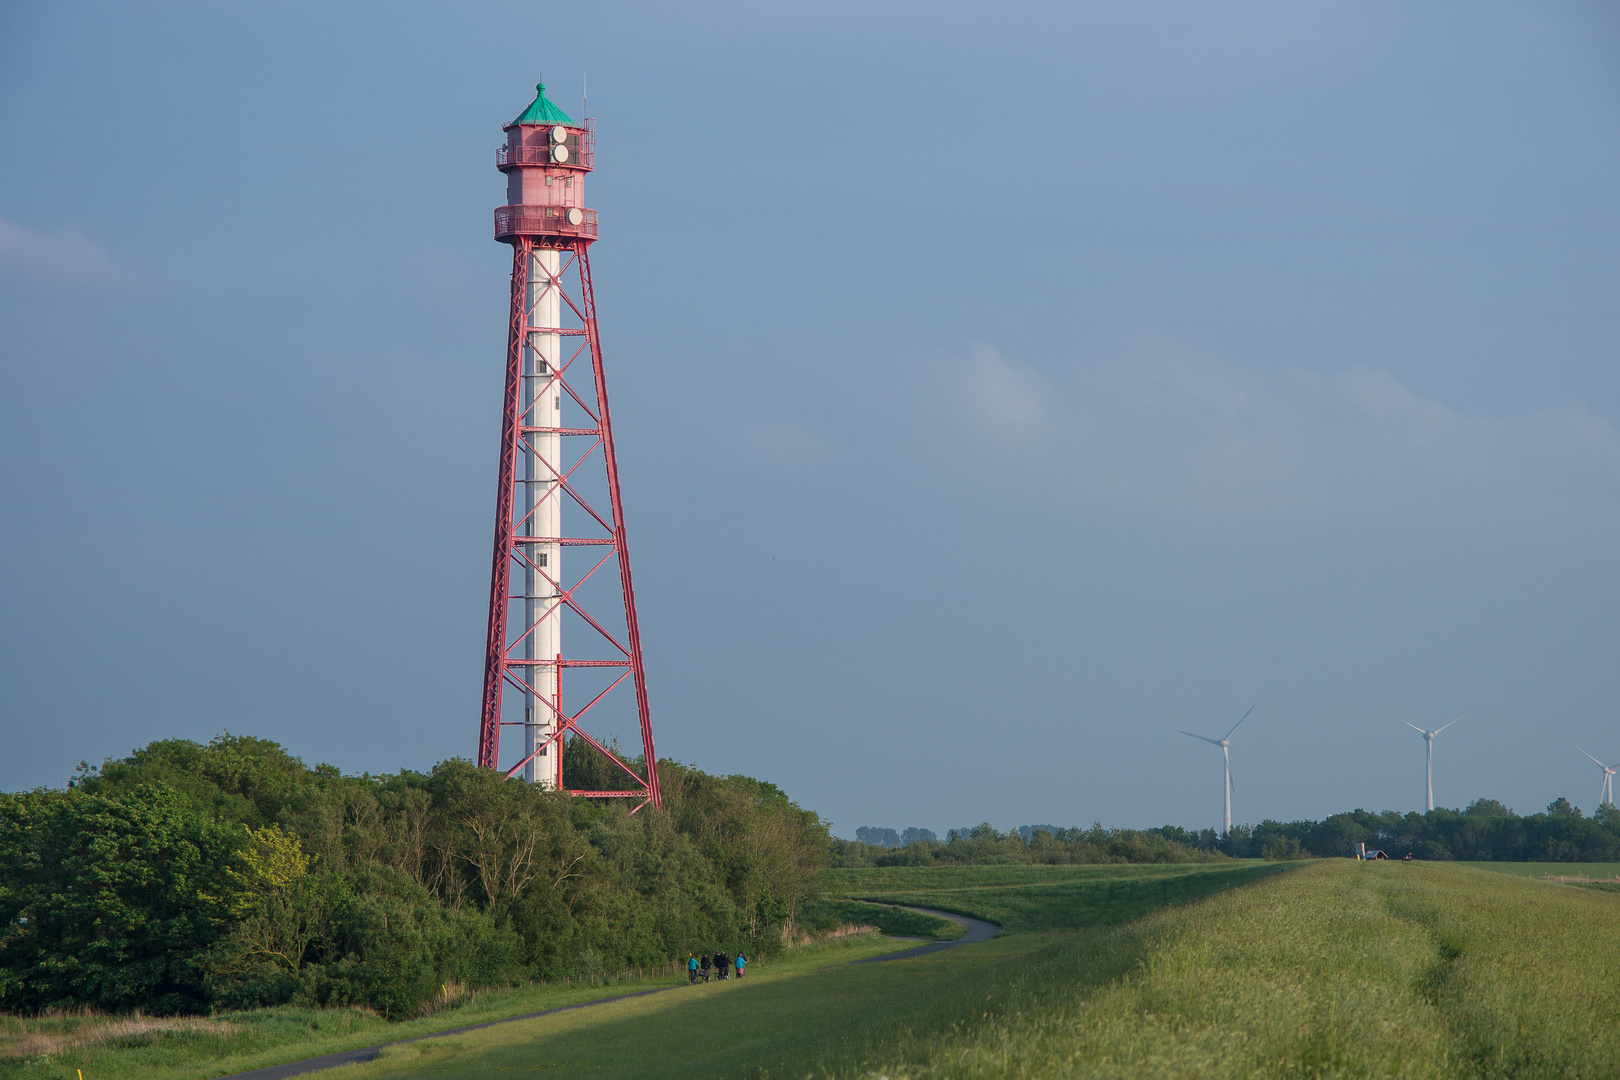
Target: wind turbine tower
{"x": 1428, "y": 752}
{"x": 1226, "y": 754}
{"x": 1606, "y": 797}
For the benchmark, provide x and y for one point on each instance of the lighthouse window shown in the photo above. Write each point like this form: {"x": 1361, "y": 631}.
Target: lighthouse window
{"x": 556, "y": 402}
{"x": 542, "y": 558}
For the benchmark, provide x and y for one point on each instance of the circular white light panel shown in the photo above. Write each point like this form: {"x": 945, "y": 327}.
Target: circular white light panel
{"x": 559, "y": 152}
{"x": 576, "y": 216}
{"x": 559, "y": 134}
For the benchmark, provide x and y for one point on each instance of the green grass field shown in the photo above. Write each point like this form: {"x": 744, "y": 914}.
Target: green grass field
{"x": 1423, "y": 970}
{"x": 1022, "y": 898}
{"x": 1551, "y": 869}
{"x": 886, "y": 917}
{"x": 1332, "y": 969}
{"x": 237, "y": 1042}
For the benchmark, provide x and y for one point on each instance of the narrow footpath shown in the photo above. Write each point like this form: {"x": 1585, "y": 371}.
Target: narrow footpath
{"x": 977, "y": 930}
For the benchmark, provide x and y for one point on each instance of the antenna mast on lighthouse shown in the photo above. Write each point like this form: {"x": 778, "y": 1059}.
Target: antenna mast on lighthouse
{"x": 555, "y": 420}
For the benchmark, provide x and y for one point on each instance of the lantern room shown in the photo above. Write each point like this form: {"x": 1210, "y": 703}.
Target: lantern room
{"x": 545, "y": 158}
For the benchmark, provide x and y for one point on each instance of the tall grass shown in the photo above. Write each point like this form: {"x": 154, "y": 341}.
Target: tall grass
{"x": 1422, "y": 970}
{"x": 63, "y": 1031}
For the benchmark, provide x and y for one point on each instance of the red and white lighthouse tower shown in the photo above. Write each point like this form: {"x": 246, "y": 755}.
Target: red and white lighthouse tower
{"x": 555, "y": 420}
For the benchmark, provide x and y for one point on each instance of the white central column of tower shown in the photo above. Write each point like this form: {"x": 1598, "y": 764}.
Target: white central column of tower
{"x": 543, "y": 503}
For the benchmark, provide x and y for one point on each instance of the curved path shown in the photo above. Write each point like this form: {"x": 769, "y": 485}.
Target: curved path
{"x": 977, "y": 930}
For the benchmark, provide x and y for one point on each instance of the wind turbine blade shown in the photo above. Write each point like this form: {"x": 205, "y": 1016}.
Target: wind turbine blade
{"x": 1242, "y": 718}
{"x": 1595, "y": 761}
{"x": 1212, "y": 742}
{"x": 1414, "y": 727}
{"x": 1464, "y": 716}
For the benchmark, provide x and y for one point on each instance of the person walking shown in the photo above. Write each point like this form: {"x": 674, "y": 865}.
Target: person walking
{"x": 721, "y": 963}
{"x": 740, "y": 963}
{"x": 691, "y": 967}
{"x": 703, "y": 966}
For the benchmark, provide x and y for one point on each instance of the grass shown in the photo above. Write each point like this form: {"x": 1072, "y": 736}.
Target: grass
{"x": 1337, "y": 969}
{"x": 66, "y": 1031}
{"x": 782, "y": 1025}
{"x": 1025, "y": 898}
{"x": 1595, "y": 870}
{"x": 1422, "y": 970}
{"x": 1432, "y": 971}
{"x": 886, "y": 917}
{"x": 55, "y": 1047}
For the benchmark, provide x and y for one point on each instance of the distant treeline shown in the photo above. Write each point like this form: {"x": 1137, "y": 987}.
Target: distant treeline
{"x": 1032, "y": 844}
{"x": 1486, "y": 831}
{"x": 876, "y": 837}
{"x": 187, "y": 877}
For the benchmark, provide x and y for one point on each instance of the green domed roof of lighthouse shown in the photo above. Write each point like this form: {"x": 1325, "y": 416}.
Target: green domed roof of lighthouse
{"x": 543, "y": 111}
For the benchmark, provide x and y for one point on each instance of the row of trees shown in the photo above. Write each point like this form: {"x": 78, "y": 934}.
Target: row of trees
{"x": 1037, "y": 844}
{"x": 873, "y": 836}
{"x": 189, "y": 877}
{"x": 1486, "y": 831}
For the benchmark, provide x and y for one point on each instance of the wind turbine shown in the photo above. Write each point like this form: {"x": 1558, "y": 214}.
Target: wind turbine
{"x": 1226, "y": 752}
{"x": 1428, "y": 751}
{"x": 1608, "y": 776}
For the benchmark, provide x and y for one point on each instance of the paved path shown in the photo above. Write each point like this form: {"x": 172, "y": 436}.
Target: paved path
{"x": 977, "y": 930}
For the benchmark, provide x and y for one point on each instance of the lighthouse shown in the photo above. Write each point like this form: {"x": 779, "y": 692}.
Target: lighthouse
{"x": 555, "y": 429}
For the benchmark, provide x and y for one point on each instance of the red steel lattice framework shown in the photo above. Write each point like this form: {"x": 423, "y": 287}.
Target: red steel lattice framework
{"x": 529, "y": 228}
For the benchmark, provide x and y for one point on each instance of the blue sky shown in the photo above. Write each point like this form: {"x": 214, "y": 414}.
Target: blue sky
{"x": 999, "y": 390}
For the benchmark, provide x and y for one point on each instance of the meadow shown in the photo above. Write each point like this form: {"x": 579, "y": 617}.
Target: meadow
{"x": 1034, "y": 897}
{"x": 59, "y": 1046}
{"x": 1594, "y": 870}
{"x": 1322, "y": 969}
{"x": 885, "y": 917}
{"x": 1335, "y": 969}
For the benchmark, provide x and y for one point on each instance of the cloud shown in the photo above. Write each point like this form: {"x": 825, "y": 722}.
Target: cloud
{"x": 1169, "y": 427}
{"x": 51, "y": 258}
{"x": 998, "y": 400}
{"x": 789, "y": 444}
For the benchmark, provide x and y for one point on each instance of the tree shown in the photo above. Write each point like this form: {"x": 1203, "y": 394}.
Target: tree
{"x": 111, "y": 900}
{"x": 1561, "y": 807}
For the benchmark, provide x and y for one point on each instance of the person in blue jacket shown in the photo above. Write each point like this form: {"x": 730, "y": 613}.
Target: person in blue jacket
{"x": 740, "y": 963}
{"x": 691, "y": 967}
